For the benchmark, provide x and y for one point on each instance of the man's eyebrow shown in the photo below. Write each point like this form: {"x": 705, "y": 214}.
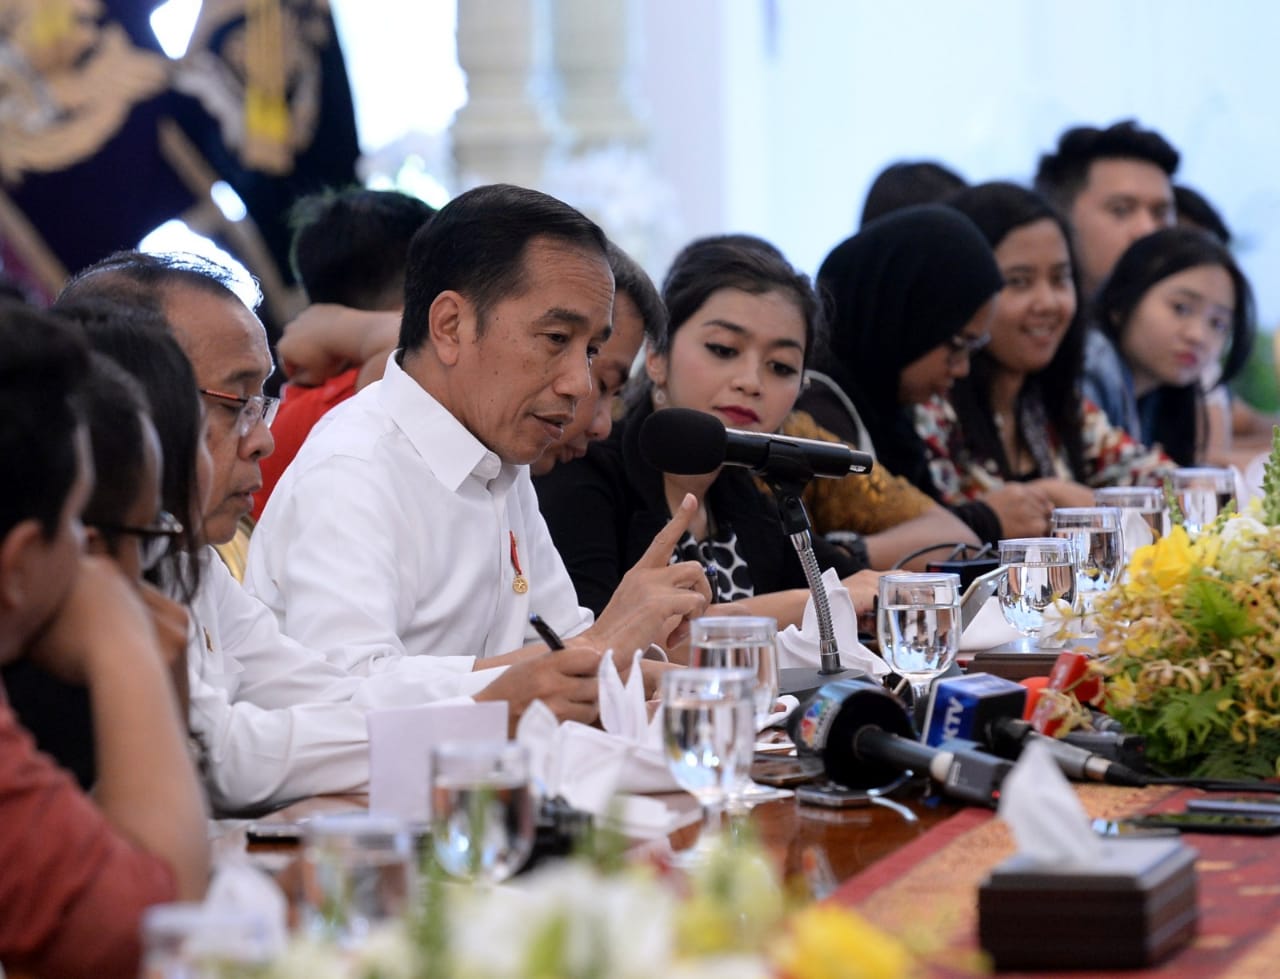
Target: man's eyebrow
{"x": 573, "y": 318}
{"x": 246, "y": 375}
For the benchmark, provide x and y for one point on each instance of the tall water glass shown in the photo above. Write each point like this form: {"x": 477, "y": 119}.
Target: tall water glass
{"x": 1099, "y": 548}
{"x": 190, "y": 941}
{"x": 918, "y": 622}
{"x": 747, "y": 642}
{"x": 358, "y": 871}
{"x": 708, "y": 729}
{"x": 1203, "y": 492}
{"x": 1144, "y": 518}
{"x": 482, "y": 817}
{"x": 1039, "y": 574}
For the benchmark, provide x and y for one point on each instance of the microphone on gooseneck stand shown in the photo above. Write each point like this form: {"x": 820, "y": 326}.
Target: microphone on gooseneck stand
{"x": 865, "y": 738}
{"x": 988, "y": 709}
{"x": 684, "y": 442}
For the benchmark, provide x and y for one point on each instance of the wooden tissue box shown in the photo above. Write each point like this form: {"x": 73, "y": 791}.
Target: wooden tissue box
{"x": 1134, "y": 908}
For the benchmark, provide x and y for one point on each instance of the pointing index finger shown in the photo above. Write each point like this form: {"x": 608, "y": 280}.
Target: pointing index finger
{"x": 658, "y": 554}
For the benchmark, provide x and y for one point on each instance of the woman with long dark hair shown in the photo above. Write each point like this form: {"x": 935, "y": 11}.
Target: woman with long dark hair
{"x": 1018, "y": 415}
{"x": 1175, "y": 303}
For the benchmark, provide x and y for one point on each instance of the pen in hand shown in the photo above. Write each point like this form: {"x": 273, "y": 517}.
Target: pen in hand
{"x": 546, "y": 632}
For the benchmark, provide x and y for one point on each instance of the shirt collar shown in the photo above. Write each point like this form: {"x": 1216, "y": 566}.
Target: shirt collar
{"x": 442, "y": 441}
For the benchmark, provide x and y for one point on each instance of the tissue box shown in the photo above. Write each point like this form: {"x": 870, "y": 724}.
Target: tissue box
{"x": 1132, "y": 909}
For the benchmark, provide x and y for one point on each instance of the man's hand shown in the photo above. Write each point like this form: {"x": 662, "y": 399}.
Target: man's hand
{"x": 171, "y": 624}
{"x": 864, "y": 587}
{"x": 311, "y": 348}
{"x": 564, "y": 680}
{"x": 655, "y": 599}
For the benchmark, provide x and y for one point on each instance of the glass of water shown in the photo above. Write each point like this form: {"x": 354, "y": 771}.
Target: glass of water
{"x": 358, "y": 871}
{"x": 708, "y": 730}
{"x": 1099, "y": 548}
{"x": 1144, "y": 518}
{"x": 1202, "y": 493}
{"x": 482, "y": 817}
{"x": 918, "y": 622}
{"x": 1040, "y": 573}
{"x": 747, "y": 642}
{"x": 190, "y": 941}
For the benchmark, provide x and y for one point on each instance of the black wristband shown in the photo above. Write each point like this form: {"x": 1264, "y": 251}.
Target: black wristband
{"x": 853, "y": 543}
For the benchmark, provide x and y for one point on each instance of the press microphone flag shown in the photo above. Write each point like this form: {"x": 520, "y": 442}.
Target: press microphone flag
{"x": 687, "y": 442}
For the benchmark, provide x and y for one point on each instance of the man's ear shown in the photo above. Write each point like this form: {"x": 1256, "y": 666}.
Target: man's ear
{"x": 450, "y": 323}
{"x": 18, "y": 565}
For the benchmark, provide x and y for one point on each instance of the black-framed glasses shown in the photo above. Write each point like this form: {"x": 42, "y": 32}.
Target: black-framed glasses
{"x": 253, "y": 409}
{"x": 154, "y": 540}
{"x": 961, "y": 346}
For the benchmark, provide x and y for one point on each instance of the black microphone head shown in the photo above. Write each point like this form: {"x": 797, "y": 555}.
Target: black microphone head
{"x": 683, "y": 441}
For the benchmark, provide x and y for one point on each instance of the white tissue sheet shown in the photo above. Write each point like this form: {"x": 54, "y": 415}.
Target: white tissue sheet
{"x": 798, "y": 648}
{"x": 1046, "y": 818}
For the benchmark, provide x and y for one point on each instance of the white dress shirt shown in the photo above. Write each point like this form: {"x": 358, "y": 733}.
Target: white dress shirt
{"x": 274, "y": 720}
{"x": 392, "y": 532}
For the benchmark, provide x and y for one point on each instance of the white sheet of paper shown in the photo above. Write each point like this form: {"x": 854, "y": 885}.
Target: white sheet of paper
{"x": 400, "y": 743}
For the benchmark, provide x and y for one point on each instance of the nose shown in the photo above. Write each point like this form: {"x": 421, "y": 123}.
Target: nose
{"x": 575, "y": 382}
{"x": 958, "y": 366}
{"x": 747, "y": 377}
{"x": 601, "y": 423}
{"x": 1144, "y": 224}
{"x": 258, "y": 444}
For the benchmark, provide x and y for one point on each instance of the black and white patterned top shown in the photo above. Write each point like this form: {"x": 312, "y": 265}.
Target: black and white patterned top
{"x": 719, "y": 550}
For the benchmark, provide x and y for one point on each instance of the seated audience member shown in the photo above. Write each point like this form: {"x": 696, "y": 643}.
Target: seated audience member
{"x": 273, "y": 720}
{"x": 1195, "y": 211}
{"x": 508, "y": 298}
{"x": 910, "y": 297}
{"x": 76, "y": 873}
{"x": 905, "y": 184}
{"x": 1175, "y": 304}
{"x": 349, "y": 249}
{"x": 741, "y": 324}
{"x": 1112, "y": 186}
{"x": 1018, "y": 414}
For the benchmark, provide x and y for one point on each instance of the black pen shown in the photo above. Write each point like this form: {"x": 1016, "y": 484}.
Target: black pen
{"x": 547, "y": 633}
{"x": 713, "y": 581}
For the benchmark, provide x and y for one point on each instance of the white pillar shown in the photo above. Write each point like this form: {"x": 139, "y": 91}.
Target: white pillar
{"x": 508, "y": 127}
{"x": 596, "y": 51}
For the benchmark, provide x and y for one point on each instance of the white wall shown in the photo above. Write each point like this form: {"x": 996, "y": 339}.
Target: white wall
{"x": 773, "y": 116}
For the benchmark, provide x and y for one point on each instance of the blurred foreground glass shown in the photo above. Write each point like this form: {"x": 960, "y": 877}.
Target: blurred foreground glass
{"x": 747, "y": 642}
{"x": 1202, "y": 493}
{"x": 708, "y": 732}
{"x": 918, "y": 622}
{"x": 1095, "y": 534}
{"x": 482, "y": 815}
{"x": 1144, "y": 518}
{"x": 358, "y": 871}
{"x": 190, "y": 941}
{"x": 1039, "y": 575}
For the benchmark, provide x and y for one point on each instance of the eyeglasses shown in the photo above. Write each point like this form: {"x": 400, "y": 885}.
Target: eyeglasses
{"x": 254, "y": 409}
{"x": 154, "y": 539}
{"x": 961, "y": 346}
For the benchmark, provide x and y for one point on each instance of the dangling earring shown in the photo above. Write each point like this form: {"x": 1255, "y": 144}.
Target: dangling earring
{"x": 659, "y": 397}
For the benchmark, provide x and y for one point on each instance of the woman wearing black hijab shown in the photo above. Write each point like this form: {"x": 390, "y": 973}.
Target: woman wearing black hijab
{"x": 910, "y": 296}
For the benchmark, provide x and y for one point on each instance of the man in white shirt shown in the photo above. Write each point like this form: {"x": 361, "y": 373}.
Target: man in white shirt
{"x": 275, "y": 720}
{"x": 407, "y": 524}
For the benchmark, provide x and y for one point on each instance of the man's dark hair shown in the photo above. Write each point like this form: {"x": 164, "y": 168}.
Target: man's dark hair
{"x": 1194, "y": 209}
{"x": 43, "y": 365}
{"x": 135, "y": 278}
{"x": 139, "y": 341}
{"x": 350, "y": 246}
{"x": 737, "y": 261}
{"x": 1062, "y": 174}
{"x": 475, "y": 246}
{"x": 114, "y": 404}
{"x": 631, "y": 280}
{"x": 906, "y": 183}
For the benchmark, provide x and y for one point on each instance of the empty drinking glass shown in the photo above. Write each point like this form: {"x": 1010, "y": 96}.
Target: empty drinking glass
{"x": 708, "y": 730}
{"x": 482, "y": 813}
{"x": 1099, "y": 548}
{"x": 1202, "y": 493}
{"x": 1144, "y": 518}
{"x": 918, "y": 622}
{"x": 359, "y": 870}
{"x": 1039, "y": 575}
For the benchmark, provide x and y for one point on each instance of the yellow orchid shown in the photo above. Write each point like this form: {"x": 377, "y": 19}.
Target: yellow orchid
{"x": 1168, "y": 561}
{"x": 829, "y": 942}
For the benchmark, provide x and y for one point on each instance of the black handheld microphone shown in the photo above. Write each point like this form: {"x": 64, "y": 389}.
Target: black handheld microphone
{"x": 988, "y": 709}
{"x": 687, "y": 442}
{"x": 863, "y": 735}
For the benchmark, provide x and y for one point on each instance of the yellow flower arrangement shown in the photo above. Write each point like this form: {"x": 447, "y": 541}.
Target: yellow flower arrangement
{"x": 1190, "y": 644}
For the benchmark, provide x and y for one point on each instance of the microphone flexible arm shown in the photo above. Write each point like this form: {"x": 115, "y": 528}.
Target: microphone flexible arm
{"x": 787, "y": 472}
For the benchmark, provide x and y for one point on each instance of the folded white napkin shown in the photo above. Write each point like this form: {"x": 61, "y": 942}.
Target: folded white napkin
{"x": 239, "y": 892}
{"x": 798, "y": 648}
{"x": 988, "y": 629}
